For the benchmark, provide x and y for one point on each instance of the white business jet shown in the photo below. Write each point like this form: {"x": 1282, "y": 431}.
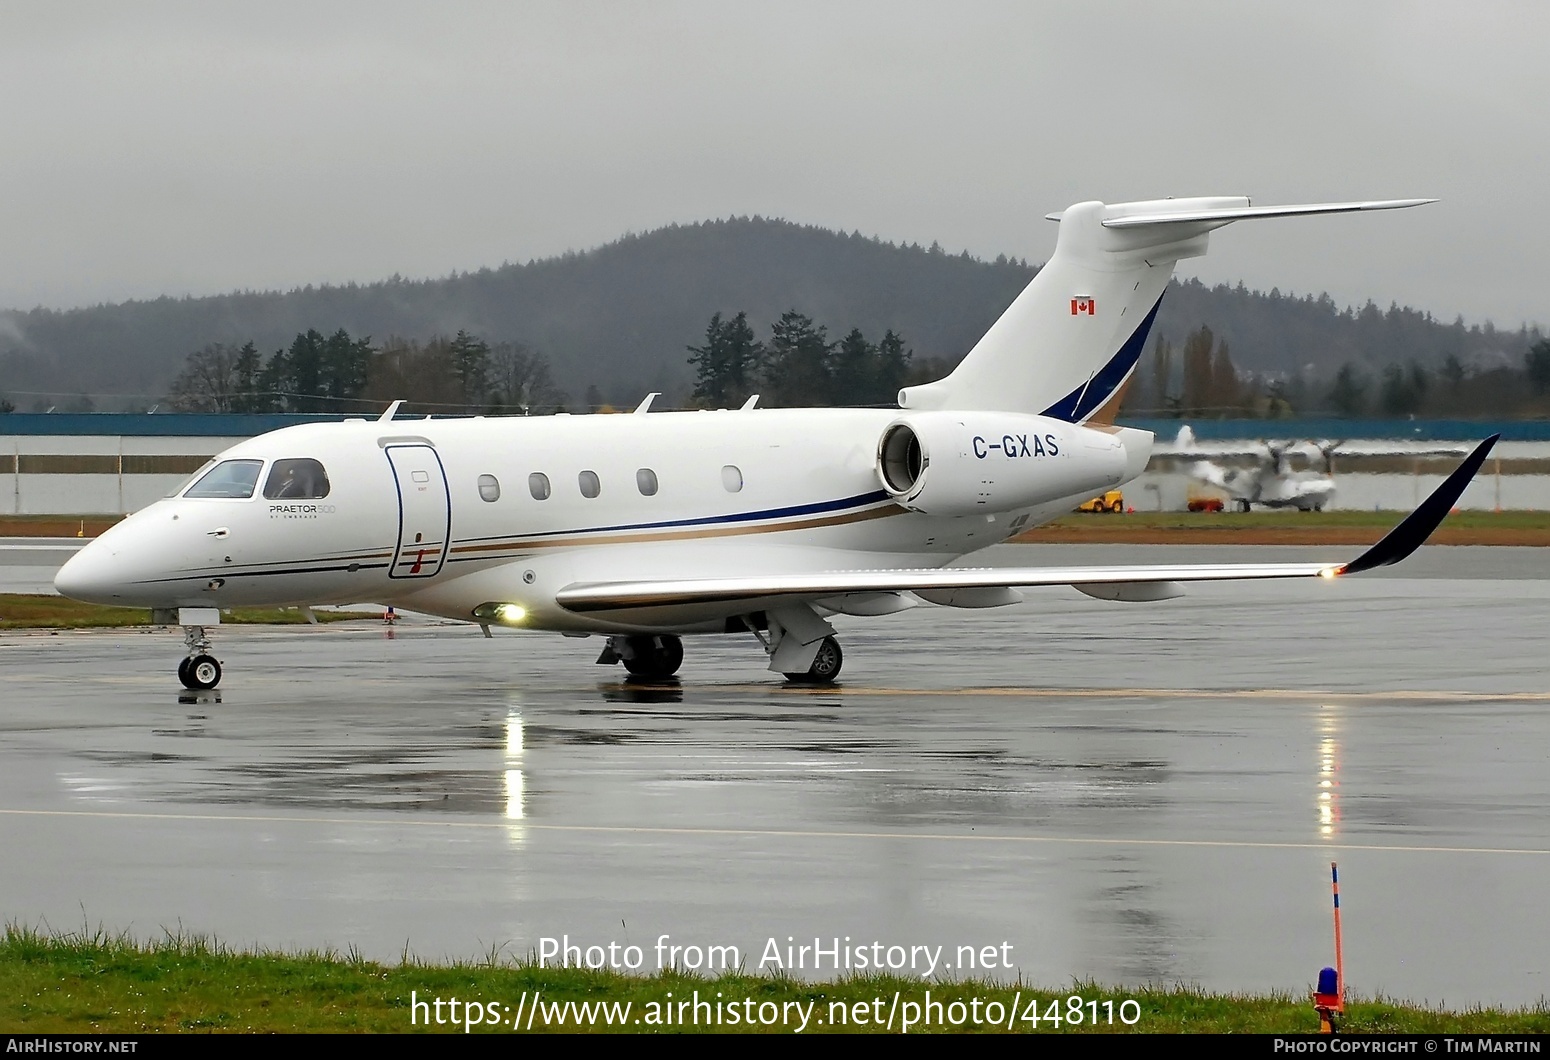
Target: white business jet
{"x": 644, "y": 528}
{"x": 1269, "y": 480}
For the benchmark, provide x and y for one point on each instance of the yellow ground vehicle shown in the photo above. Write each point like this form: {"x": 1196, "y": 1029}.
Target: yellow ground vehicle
{"x": 1112, "y": 501}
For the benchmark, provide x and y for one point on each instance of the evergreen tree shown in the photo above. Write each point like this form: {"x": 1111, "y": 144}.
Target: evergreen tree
{"x": 248, "y": 367}
{"x": 345, "y": 365}
{"x": 297, "y": 373}
{"x": 855, "y": 370}
{"x": 727, "y": 367}
{"x": 1537, "y": 364}
{"x": 1348, "y": 396}
{"x": 893, "y": 369}
{"x": 799, "y": 371}
{"x": 471, "y": 366}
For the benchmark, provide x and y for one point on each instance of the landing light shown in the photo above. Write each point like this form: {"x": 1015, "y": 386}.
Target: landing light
{"x": 1329, "y": 572}
{"x": 506, "y": 614}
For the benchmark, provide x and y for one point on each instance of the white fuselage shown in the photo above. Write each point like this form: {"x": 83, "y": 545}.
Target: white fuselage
{"x": 443, "y": 516}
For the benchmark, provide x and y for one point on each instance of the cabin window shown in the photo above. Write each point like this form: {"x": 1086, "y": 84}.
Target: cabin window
{"x": 296, "y": 480}
{"x": 538, "y": 486}
{"x": 590, "y": 486}
{"x": 646, "y": 482}
{"x": 732, "y": 478}
{"x": 231, "y": 479}
{"x": 489, "y": 488}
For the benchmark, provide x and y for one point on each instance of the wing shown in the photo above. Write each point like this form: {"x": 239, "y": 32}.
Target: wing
{"x": 1212, "y": 450}
{"x": 1394, "y": 449}
{"x": 1115, "y": 582}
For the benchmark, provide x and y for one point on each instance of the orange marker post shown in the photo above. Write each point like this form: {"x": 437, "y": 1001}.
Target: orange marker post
{"x": 1334, "y": 886}
{"x": 1329, "y": 998}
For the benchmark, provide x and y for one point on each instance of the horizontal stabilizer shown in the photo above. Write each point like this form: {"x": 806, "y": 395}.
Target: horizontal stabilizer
{"x": 1160, "y": 212}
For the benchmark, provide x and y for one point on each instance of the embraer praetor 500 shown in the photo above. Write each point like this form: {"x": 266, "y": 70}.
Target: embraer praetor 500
{"x": 644, "y": 528}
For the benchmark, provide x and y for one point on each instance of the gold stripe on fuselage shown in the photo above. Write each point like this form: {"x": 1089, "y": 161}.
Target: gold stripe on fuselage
{"x": 688, "y": 534}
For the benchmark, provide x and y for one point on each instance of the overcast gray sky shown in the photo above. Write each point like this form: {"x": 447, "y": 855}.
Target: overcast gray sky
{"x": 155, "y": 148}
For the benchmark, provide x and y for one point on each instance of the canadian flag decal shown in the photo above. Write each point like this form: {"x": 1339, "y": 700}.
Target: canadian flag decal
{"x": 1083, "y": 303}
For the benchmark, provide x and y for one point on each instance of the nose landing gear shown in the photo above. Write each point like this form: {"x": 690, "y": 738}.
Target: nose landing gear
{"x": 200, "y": 669}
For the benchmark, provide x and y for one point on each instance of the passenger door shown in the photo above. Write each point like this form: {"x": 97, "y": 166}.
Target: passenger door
{"x": 424, "y": 511}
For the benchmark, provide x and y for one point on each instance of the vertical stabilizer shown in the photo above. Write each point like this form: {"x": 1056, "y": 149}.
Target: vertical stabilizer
{"x": 1069, "y": 343}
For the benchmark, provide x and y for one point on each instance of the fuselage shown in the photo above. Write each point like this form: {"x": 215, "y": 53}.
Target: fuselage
{"x": 443, "y": 516}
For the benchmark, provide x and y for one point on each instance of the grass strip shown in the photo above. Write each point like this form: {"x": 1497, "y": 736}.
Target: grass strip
{"x": 25, "y": 611}
{"x": 99, "y": 983}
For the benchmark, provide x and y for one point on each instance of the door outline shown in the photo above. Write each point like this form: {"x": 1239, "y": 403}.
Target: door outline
{"x": 419, "y": 560}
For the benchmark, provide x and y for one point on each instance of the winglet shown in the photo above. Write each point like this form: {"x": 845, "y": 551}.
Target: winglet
{"x": 1416, "y": 527}
{"x": 645, "y": 406}
{"x": 391, "y": 409}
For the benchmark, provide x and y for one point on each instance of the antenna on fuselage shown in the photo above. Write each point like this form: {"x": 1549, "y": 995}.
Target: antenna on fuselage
{"x": 645, "y": 406}
{"x": 391, "y": 409}
{"x": 748, "y": 405}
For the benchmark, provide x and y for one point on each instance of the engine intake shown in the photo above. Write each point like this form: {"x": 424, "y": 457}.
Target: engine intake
{"x": 968, "y": 463}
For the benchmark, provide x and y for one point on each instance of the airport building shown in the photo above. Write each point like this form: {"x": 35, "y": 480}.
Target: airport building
{"x": 111, "y": 463}
{"x": 114, "y": 463}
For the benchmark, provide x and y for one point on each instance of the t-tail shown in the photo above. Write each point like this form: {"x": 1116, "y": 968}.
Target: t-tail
{"x": 1070, "y": 342}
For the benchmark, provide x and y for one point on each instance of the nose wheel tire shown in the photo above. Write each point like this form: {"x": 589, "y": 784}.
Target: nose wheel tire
{"x": 826, "y": 665}
{"x": 199, "y": 672}
{"x": 654, "y": 657}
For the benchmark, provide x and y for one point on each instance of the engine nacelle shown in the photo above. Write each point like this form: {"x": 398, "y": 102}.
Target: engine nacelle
{"x": 971, "y": 463}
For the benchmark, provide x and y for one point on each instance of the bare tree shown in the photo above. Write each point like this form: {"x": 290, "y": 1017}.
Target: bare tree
{"x": 520, "y": 380}
{"x": 208, "y": 381}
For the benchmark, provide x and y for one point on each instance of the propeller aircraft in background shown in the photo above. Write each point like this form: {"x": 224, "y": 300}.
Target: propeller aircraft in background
{"x": 1261, "y": 472}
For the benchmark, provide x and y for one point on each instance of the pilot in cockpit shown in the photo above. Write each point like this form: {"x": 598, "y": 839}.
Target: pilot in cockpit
{"x": 293, "y": 484}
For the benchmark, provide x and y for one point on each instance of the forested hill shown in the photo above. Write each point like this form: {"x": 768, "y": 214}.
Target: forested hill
{"x": 621, "y": 316}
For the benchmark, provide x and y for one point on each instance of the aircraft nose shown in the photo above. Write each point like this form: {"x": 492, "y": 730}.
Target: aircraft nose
{"x": 89, "y": 575}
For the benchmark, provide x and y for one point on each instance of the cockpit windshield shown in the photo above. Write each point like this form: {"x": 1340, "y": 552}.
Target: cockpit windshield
{"x": 177, "y": 491}
{"x": 230, "y": 479}
{"x": 300, "y": 480}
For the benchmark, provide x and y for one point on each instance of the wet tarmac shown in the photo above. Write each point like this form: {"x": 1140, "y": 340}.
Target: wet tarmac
{"x": 1132, "y": 793}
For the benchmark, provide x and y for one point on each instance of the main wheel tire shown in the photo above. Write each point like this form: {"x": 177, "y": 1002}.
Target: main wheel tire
{"x": 655, "y": 657}
{"x": 826, "y": 665}
{"x": 200, "y": 672}
{"x": 183, "y": 675}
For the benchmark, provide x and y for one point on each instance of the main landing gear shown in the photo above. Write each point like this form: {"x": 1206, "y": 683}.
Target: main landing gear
{"x": 199, "y": 670}
{"x": 655, "y": 657}
{"x": 801, "y": 646}
{"x": 826, "y": 665}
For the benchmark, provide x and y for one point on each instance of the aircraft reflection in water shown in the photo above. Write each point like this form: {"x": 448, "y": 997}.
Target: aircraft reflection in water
{"x": 641, "y": 529}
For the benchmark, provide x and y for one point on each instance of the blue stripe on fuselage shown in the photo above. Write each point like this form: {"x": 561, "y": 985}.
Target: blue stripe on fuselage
{"x": 739, "y": 517}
